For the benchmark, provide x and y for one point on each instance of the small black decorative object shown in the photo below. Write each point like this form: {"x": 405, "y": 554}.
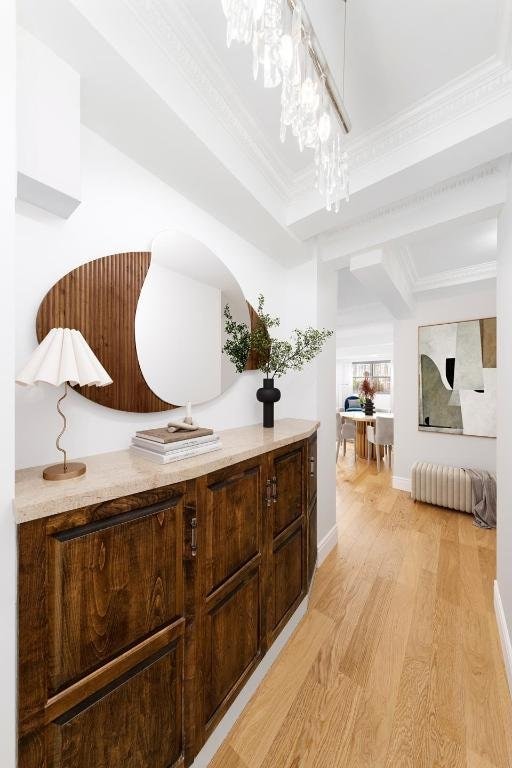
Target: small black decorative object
{"x": 369, "y": 408}
{"x": 268, "y": 395}
{"x": 273, "y": 356}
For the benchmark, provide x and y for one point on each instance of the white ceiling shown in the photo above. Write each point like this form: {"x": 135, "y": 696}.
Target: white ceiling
{"x": 464, "y": 244}
{"x": 158, "y": 81}
{"x": 351, "y": 292}
{"x": 396, "y": 54}
{"x": 399, "y": 51}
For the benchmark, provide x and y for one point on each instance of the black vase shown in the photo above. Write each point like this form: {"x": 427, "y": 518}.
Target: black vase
{"x": 369, "y": 408}
{"x": 268, "y": 395}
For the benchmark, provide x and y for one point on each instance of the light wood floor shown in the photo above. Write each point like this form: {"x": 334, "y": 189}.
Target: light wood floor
{"x": 397, "y": 663}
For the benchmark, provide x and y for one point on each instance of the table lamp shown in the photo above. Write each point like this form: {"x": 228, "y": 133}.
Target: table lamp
{"x": 64, "y": 357}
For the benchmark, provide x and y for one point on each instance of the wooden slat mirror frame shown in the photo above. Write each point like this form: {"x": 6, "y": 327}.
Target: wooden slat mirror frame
{"x": 99, "y": 299}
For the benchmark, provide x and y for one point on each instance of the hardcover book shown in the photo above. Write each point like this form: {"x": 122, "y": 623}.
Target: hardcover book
{"x": 168, "y": 458}
{"x": 162, "y": 435}
{"x": 152, "y": 445}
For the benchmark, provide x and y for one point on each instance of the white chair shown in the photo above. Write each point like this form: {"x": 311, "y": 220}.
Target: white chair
{"x": 346, "y": 431}
{"x": 382, "y": 434}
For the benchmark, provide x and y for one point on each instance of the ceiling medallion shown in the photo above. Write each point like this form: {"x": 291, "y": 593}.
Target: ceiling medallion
{"x": 286, "y": 52}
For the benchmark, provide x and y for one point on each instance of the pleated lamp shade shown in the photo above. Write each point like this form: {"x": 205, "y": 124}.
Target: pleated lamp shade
{"x": 64, "y": 356}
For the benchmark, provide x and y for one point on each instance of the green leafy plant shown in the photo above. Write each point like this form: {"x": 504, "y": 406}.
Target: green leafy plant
{"x": 274, "y": 357}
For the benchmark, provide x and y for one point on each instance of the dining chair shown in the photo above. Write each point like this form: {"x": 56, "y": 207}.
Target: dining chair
{"x": 382, "y": 434}
{"x": 345, "y": 431}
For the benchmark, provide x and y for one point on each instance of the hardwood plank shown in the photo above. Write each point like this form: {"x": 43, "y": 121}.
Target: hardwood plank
{"x": 255, "y": 731}
{"x": 487, "y": 561}
{"x": 351, "y": 603}
{"x": 477, "y": 761}
{"x": 445, "y": 753}
{"x": 422, "y": 553}
{"x": 419, "y": 643}
{"x": 448, "y": 572}
{"x": 372, "y": 729}
{"x": 482, "y": 706}
{"x": 318, "y": 728}
{"x": 361, "y": 650}
{"x": 446, "y": 673}
{"x": 407, "y": 743}
{"x": 472, "y": 594}
{"x": 226, "y": 757}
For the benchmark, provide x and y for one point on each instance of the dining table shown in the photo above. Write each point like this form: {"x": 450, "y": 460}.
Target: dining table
{"x": 361, "y": 421}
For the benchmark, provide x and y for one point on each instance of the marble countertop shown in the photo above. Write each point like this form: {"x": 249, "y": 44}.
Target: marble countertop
{"x": 121, "y": 473}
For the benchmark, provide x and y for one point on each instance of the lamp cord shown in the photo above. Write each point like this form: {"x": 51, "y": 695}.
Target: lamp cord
{"x": 57, "y": 442}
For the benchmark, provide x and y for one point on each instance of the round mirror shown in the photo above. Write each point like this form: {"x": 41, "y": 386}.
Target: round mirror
{"x": 179, "y": 322}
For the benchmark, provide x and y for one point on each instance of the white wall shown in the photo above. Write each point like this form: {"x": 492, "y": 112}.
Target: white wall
{"x": 7, "y": 527}
{"x": 464, "y": 303}
{"x": 48, "y": 106}
{"x": 504, "y": 401}
{"x": 325, "y": 374}
{"x": 123, "y": 208}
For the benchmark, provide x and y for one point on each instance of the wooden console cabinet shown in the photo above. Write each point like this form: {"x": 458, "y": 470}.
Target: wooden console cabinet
{"x": 142, "y": 617}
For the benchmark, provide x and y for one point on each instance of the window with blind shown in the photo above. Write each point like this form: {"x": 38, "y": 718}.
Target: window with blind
{"x": 378, "y": 372}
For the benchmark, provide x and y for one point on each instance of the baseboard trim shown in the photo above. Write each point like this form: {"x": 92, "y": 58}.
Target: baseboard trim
{"x": 327, "y": 544}
{"x": 506, "y": 644}
{"x": 402, "y": 483}
{"x": 205, "y": 756}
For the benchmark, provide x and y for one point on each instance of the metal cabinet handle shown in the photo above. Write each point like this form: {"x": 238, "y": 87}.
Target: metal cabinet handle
{"x": 193, "y": 536}
{"x": 269, "y": 493}
{"x": 312, "y": 466}
{"x": 274, "y": 489}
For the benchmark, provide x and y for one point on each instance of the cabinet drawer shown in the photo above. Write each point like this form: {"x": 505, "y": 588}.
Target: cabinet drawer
{"x": 111, "y": 583}
{"x": 136, "y": 722}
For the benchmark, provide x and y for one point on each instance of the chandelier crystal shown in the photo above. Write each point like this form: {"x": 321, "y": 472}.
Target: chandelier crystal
{"x": 283, "y": 52}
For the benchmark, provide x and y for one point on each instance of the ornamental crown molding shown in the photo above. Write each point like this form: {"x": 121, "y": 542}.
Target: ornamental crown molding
{"x": 476, "y": 176}
{"x": 479, "y": 87}
{"x": 473, "y": 273}
{"x": 182, "y": 41}
{"x": 173, "y": 28}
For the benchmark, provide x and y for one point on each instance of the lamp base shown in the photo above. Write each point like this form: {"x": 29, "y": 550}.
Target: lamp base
{"x": 56, "y": 471}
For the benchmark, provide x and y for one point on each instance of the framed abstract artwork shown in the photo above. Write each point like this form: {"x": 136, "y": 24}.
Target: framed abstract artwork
{"x": 457, "y": 377}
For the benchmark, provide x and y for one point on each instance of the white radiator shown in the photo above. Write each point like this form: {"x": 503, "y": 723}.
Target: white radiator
{"x": 444, "y": 486}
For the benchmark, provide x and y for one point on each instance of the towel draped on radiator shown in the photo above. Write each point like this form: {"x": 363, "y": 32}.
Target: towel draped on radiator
{"x": 484, "y": 495}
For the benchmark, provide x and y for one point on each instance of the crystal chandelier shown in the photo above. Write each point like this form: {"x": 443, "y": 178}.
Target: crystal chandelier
{"x": 281, "y": 39}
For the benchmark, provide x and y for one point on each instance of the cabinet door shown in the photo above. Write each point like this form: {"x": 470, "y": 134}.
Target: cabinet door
{"x": 287, "y": 575}
{"x": 287, "y": 477}
{"x": 287, "y": 535}
{"x": 229, "y": 555}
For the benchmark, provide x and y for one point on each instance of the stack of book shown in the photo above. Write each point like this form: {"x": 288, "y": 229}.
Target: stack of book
{"x": 163, "y": 447}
